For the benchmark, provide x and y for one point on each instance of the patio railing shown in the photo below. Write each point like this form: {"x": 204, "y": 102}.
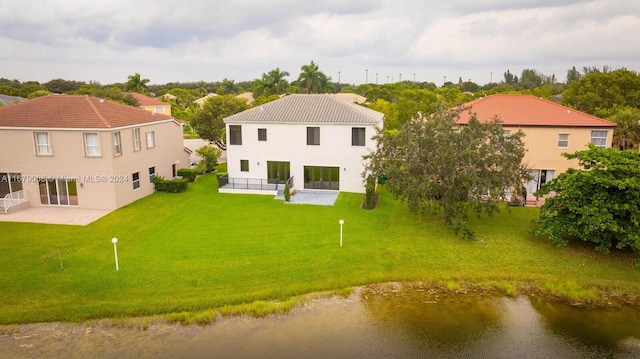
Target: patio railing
{"x": 13, "y": 199}
{"x": 252, "y": 183}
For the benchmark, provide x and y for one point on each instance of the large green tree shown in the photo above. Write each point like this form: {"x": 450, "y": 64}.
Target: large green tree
{"x": 208, "y": 121}
{"x": 599, "y": 203}
{"x": 313, "y": 80}
{"x": 433, "y": 163}
{"x": 597, "y": 93}
{"x": 271, "y": 83}
{"x": 627, "y": 134}
{"x": 136, "y": 83}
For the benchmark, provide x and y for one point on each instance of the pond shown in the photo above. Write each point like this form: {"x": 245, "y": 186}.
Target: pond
{"x": 396, "y": 322}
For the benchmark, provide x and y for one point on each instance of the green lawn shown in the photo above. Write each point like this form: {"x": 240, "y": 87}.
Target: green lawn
{"x": 200, "y": 250}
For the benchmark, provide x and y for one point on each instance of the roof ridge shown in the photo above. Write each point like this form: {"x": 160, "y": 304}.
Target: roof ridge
{"x": 95, "y": 109}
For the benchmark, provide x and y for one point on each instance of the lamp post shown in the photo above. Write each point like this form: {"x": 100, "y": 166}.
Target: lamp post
{"x": 341, "y": 223}
{"x": 115, "y": 251}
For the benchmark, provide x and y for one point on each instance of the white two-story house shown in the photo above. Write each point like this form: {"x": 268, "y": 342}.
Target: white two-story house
{"x": 84, "y": 152}
{"x": 312, "y": 141}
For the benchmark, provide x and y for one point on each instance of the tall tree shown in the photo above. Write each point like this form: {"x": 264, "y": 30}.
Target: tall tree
{"x": 313, "y": 80}
{"x": 434, "y": 164}
{"x": 271, "y": 83}
{"x": 228, "y": 87}
{"x": 208, "y": 121}
{"x": 626, "y": 136}
{"x": 599, "y": 203}
{"x": 597, "y": 93}
{"x": 573, "y": 75}
{"x": 136, "y": 84}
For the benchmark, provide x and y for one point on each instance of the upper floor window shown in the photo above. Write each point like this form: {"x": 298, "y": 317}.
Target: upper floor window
{"x": 117, "y": 146}
{"x": 599, "y": 138}
{"x": 91, "y": 144}
{"x": 136, "y": 139}
{"x": 357, "y": 136}
{"x": 262, "y": 134}
{"x": 151, "y": 139}
{"x": 563, "y": 140}
{"x": 235, "y": 134}
{"x": 313, "y": 136}
{"x": 43, "y": 146}
{"x": 159, "y": 109}
{"x": 506, "y": 133}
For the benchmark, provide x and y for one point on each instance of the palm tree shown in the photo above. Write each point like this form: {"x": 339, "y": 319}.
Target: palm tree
{"x": 627, "y": 133}
{"x": 228, "y": 87}
{"x": 310, "y": 78}
{"x": 277, "y": 82}
{"x": 261, "y": 87}
{"x": 136, "y": 84}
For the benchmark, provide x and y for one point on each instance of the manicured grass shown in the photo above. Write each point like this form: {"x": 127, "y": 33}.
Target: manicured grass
{"x": 201, "y": 250}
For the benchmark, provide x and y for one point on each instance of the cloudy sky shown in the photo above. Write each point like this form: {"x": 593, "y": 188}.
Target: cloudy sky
{"x": 351, "y": 40}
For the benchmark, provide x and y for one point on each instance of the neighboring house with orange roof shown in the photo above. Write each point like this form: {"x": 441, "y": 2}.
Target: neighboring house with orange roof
{"x": 151, "y": 104}
{"x": 315, "y": 142}
{"x": 84, "y": 152}
{"x": 550, "y": 129}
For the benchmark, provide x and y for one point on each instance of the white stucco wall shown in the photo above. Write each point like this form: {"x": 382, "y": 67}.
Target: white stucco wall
{"x": 288, "y": 143}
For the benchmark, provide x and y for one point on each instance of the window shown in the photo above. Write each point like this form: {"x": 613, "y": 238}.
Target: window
{"x": 136, "y": 180}
{"x": 43, "y": 147}
{"x": 136, "y": 139}
{"x": 91, "y": 144}
{"x": 151, "y": 139}
{"x": 506, "y": 133}
{"x": 244, "y": 165}
{"x": 313, "y": 136}
{"x": 152, "y": 173}
{"x": 235, "y": 134}
{"x": 599, "y": 138}
{"x": 262, "y": 134}
{"x": 563, "y": 140}
{"x": 357, "y": 136}
{"x": 117, "y": 147}
{"x": 159, "y": 109}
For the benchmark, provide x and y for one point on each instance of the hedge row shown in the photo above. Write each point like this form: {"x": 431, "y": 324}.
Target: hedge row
{"x": 171, "y": 186}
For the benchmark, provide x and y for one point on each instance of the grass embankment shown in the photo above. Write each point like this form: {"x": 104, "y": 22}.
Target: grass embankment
{"x": 202, "y": 251}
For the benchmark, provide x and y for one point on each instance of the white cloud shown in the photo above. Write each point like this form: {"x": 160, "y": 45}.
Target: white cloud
{"x": 200, "y": 40}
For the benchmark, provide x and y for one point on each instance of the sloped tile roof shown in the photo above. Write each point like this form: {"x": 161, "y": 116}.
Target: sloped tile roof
{"x": 146, "y": 100}
{"x": 308, "y": 109}
{"x": 9, "y": 100}
{"x": 74, "y": 111}
{"x": 529, "y": 110}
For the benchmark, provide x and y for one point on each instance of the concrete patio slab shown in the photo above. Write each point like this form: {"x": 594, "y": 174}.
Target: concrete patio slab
{"x": 323, "y": 198}
{"x": 55, "y": 215}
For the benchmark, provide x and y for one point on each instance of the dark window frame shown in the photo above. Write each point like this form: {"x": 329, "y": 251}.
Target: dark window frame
{"x": 235, "y": 135}
{"x": 313, "y": 136}
{"x": 358, "y": 136}
{"x": 244, "y": 165}
{"x": 262, "y": 134}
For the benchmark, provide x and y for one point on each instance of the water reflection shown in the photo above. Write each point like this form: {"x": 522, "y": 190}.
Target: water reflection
{"x": 402, "y": 322}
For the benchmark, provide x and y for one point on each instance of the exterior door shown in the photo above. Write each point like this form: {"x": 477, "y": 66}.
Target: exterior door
{"x": 318, "y": 177}
{"x": 278, "y": 172}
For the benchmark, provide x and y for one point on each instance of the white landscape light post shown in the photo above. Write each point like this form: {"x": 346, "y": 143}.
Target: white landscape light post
{"x": 341, "y": 223}
{"x": 115, "y": 251}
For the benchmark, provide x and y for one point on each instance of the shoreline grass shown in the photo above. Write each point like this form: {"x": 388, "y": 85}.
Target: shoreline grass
{"x": 199, "y": 251}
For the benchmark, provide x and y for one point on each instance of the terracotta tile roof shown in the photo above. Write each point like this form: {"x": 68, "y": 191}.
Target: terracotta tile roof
{"x": 529, "y": 110}
{"x": 74, "y": 111}
{"x": 146, "y": 100}
{"x": 307, "y": 109}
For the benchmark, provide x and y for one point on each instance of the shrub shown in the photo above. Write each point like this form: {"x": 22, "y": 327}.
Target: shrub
{"x": 370, "y": 192}
{"x": 287, "y": 192}
{"x": 209, "y": 156}
{"x": 170, "y": 186}
{"x": 188, "y": 173}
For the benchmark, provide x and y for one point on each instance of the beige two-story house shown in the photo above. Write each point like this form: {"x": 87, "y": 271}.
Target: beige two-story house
{"x": 85, "y": 152}
{"x": 550, "y": 129}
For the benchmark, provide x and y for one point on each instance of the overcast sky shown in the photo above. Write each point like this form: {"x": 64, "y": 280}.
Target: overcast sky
{"x": 351, "y": 40}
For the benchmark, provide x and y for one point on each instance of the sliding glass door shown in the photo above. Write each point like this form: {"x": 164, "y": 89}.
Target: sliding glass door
{"x": 58, "y": 192}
